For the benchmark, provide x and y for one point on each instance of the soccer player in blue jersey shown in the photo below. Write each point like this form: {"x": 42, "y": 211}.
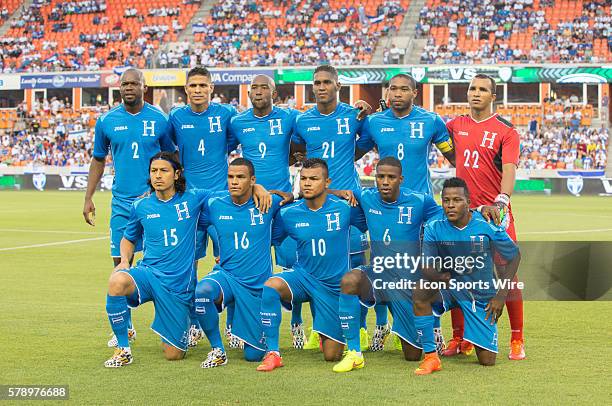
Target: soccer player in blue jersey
{"x": 168, "y": 217}
{"x": 320, "y": 224}
{"x": 468, "y": 280}
{"x": 407, "y": 132}
{"x": 329, "y": 131}
{"x": 245, "y": 236}
{"x": 132, "y": 132}
{"x": 200, "y": 129}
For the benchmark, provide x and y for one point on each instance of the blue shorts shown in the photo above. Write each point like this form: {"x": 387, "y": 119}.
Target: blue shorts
{"x": 172, "y": 318}
{"x": 246, "y": 324}
{"x": 478, "y": 331}
{"x": 324, "y": 302}
{"x": 120, "y": 214}
{"x": 358, "y": 259}
{"x": 400, "y": 305}
{"x": 286, "y": 253}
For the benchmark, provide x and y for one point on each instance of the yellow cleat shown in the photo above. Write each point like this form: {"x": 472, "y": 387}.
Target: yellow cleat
{"x": 313, "y": 342}
{"x": 364, "y": 339}
{"x": 352, "y": 360}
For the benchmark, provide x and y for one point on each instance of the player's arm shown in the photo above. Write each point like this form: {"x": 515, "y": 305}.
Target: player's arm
{"x": 510, "y": 157}
{"x": 443, "y": 140}
{"x": 262, "y": 198}
{"x": 503, "y": 247}
{"x": 358, "y": 219}
{"x": 232, "y": 140}
{"x": 96, "y": 170}
{"x": 347, "y": 195}
{"x": 279, "y": 232}
{"x": 133, "y": 231}
{"x": 285, "y": 196}
{"x": 364, "y": 109}
{"x": 127, "y": 249}
{"x": 365, "y": 142}
{"x": 168, "y": 141}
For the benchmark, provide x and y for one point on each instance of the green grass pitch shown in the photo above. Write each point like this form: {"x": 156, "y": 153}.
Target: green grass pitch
{"x": 53, "y": 327}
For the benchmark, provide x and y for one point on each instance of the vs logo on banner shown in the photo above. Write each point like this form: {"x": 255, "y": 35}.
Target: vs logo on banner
{"x": 575, "y": 185}
{"x": 39, "y": 180}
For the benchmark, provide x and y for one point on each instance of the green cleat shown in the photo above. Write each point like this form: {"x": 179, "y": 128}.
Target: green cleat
{"x": 313, "y": 342}
{"x": 352, "y": 360}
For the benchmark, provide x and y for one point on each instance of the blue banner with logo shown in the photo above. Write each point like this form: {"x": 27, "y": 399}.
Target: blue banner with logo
{"x": 61, "y": 80}
{"x": 237, "y": 77}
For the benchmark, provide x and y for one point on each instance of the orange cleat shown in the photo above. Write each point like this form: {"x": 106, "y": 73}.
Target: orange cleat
{"x": 458, "y": 346}
{"x": 271, "y": 361}
{"x": 431, "y": 363}
{"x": 517, "y": 350}
{"x": 467, "y": 348}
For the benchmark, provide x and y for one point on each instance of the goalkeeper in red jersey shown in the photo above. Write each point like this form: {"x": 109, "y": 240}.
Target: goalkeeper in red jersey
{"x": 487, "y": 149}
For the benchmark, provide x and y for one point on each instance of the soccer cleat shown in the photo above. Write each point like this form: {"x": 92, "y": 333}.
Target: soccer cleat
{"x": 271, "y": 361}
{"x": 458, "y": 346}
{"x": 298, "y": 335}
{"x": 313, "y": 341}
{"x": 121, "y": 357}
{"x": 431, "y": 363}
{"x": 215, "y": 358}
{"x": 364, "y": 339}
{"x": 381, "y": 333}
{"x": 397, "y": 343}
{"x": 233, "y": 341}
{"x": 517, "y": 350}
{"x": 131, "y": 337}
{"x": 195, "y": 335}
{"x": 467, "y": 348}
{"x": 352, "y": 360}
{"x": 439, "y": 339}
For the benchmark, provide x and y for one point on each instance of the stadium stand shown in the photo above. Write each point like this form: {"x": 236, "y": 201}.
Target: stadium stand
{"x": 516, "y": 31}
{"x": 255, "y": 33}
{"x": 91, "y": 34}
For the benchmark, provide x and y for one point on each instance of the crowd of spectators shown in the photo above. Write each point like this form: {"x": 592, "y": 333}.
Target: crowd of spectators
{"x": 497, "y": 21}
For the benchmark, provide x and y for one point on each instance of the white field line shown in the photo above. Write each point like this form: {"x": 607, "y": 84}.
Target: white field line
{"x": 19, "y": 230}
{"x": 50, "y": 244}
{"x": 596, "y": 230}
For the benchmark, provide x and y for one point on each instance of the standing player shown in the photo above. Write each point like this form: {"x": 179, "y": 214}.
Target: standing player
{"x": 487, "y": 149}
{"x": 132, "y": 132}
{"x": 329, "y": 132}
{"x": 200, "y": 129}
{"x": 320, "y": 224}
{"x": 168, "y": 217}
{"x": 406, "y": 132}
{"x": 245, "y": 236}
{"x": 472, "y": 243}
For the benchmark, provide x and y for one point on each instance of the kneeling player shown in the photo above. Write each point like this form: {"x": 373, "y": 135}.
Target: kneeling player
{"x": 245, "y": 264}
{"x": 168, "y": 217}
{"x": 320, "y": 224}
{"x": 469, "y": 281}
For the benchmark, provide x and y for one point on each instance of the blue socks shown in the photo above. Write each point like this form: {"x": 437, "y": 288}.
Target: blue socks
{"x": 296, "y": 314}
{"x": 270, "y": 313}
{"x": 229, "y": 315}
{"x": 424, "y": 328}
{"x": 206, "y": 310}
{"x": 364, "y": 317}
{"x": 118, "y": 313}
{"x": 382, "y": 314}
{"x": 350, "y": 320}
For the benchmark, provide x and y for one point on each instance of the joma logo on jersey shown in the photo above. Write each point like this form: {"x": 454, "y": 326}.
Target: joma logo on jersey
{"x": 463, "y": 133}
{"x": 374, "y": 211}
{"x": 343, "y": 125}
{"x": 121, "y": 128}
{"x": 488, "y": 137}
{"x": 148, "y": 128}
{"x": 275, "y": 125}
{"x": 333, "y": 221}
{"x": 300, "y": 225}
{"x": 313, "y": 129}
{"x": 387, "y": 130}
{"x": 256, "y": 216}
{"x": 153, "y": 216}
{"x": 181, "y": 208}
{"x": 477, "y": 243}
{"x": 248, "y": 130}
{"x": 190, "y": 126}
{"x": 226, "y": 218}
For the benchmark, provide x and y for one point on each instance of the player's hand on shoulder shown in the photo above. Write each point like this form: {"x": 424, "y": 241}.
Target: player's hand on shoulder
{"x": 364, "y": 108}
{"x": 347, "y": 195}
{"x": 491, "y": 213}
{"x": 89, "y": 212}
{"x": 286, "y": 196}
{"x": 262, "y": 198}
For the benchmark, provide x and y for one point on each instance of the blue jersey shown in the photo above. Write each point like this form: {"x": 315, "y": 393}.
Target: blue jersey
{"x": 266, "y": 142}
{"x": 245, "y": 237}
{"x": 478, "y": 240}
{"x": 322, "y": 237}
{"x": 169, "y": 231}
{"x": 408, "y": 139}
{"x": 204, "y": 142}
{"x": 396, "y": 227}
{"x": 132, "y": 139}
{"x": 332, "y": 138}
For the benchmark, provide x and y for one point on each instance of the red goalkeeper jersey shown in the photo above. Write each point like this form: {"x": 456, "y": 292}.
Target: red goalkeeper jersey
{"x": 481, "y": 148}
